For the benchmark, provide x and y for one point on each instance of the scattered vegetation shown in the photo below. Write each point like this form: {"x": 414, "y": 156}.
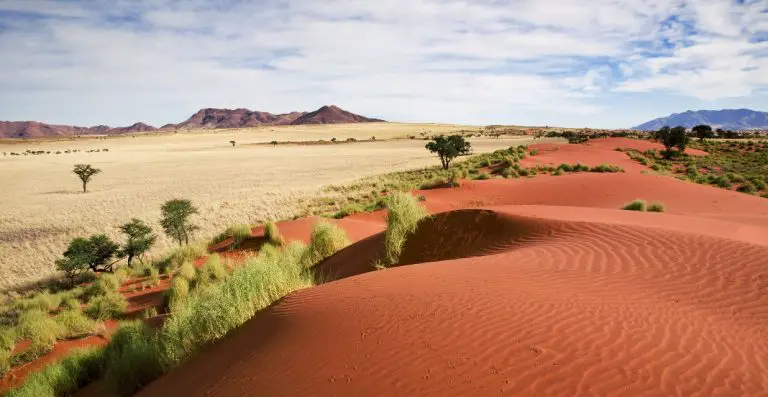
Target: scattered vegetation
{"x": 272, "y": 234}
{"x": 656, "y": 207}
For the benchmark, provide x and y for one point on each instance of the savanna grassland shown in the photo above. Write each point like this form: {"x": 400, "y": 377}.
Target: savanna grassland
{"x": 43, "y": 206}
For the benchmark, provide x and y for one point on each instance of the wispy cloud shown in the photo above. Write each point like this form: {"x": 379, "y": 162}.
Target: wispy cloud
{"x": 527, "y": 61}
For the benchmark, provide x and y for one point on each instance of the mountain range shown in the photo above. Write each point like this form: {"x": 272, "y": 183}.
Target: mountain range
{"x": 728, "y": 119}
{"x": 204, "y": 118}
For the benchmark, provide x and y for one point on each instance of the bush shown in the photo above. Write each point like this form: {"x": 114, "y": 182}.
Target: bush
{"x": 637, "y": 205}
{"x": 80, "y": 368}
{"x": 238, "y": 233}
{"x": 132, "y": 359}
{"x": 107, "y": 283}
{"x": 43, "y": 301}
{"x": 404, "y": 214}
{"x": 509, "y": 173}
{"x": 656, "y": 207}
{"x": 606, "y": 168}
{"x": 326, "y": 240}
{"x": 154, "y": 276}
{"x": 74, "y": 324}
{"x": 534, "y": 152}
{"x": 454, "y": 178}
{"x": 70, "y": 303}
{"x": 107, "y": 306}
{"x": 566, "y": 167}
{"x": 482, "y": 176}
{"x": 747, "y": 187}
{"x": 7, "y": 338}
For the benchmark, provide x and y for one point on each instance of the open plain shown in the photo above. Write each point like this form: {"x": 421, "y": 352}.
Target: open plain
{"x": 43, "y": 206}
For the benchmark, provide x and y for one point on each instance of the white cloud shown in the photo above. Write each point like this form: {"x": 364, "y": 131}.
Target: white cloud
{"x": 431, "y": 60}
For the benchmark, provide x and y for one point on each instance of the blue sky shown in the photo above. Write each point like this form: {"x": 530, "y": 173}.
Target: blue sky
{"x": 607, "y": 64}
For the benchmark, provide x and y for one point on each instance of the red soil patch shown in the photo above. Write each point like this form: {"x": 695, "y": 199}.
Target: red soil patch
{"x": 612, "y": 305}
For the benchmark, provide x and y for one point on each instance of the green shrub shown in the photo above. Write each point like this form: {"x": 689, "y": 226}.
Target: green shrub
{"x": 188, "y": 271}
{"x": 509, "y": 173}
{"x": 40, "y": 329}
{"x": 565, "y": 167}
{"x": 747, "y": 187}
{"x": 482, "y": 176}
{"x": 74, "y": 324}
{"x": 42, "y": 301}
{"x": 606, "y": 168}
{"x": 238, "y": 233}
{"x": 637, "y": 205}
{"x": 107, "y": 283}
{"x": 187, "y": 253}
{"x": 656, "y": 207}
{"x": 154, "y": 276}
{"x": 534, "y": 152}
{"x": 105, "y": 307}
{"x": 523, "y": 172}
{"x": 5, "y": 361}
{"x": 404, "y": 214}
{"x": 326, "y": 239}
{"x": 558, "y": 172}
{"x": 64, "y": 378}
{"x": 453, "y": 181}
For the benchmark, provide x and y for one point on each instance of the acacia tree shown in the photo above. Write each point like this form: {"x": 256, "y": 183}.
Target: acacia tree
{"x": 703, "y": 131}
{"x": 175, "y": 221}
{"x": 139, "y": 240}
{"x": 679, "y": 138}
{"x": 85, "y": 172}
{"x": 448, "y": 148}
{"x": 94, "y": 253}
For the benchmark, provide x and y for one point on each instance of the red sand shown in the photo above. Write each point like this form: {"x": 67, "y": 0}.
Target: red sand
{"x": 547, "y": 289}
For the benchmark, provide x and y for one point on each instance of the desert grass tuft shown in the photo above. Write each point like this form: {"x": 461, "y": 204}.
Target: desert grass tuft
{"x": 41, "y": 329}
{"x": 105, "y": 307}
{"x": 188, "y": 271}
{"x": 272, "y": 234}
{"x": 177, "y": 294}
{"x": 403, "y": 215}
{"x": 132, "y": 359}
{"x": 637, "y": 205}
{"x": 657, "y": 207}
{"x": 326, "y": 239}
{"x": 74, "y": 324}
{"x": 65, "y": 377}
{"x": 213, "y": 270}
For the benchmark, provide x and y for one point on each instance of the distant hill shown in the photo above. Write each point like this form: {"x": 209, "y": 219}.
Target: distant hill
{"x": 728, "y": 119}
{"x": 204, "y": 118}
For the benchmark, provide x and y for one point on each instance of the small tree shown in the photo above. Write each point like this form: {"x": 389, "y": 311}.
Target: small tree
{"x": 139, "y": 240}
{"x": 679, "y": 138}
{"x": 703, "y": 131}
{"x": 175, "y": 220}
{"x": 448, "y": 148}
{"x": 85, "y": 172}
{"x": 94, "y": 253}
{"x": 233, "y": 143}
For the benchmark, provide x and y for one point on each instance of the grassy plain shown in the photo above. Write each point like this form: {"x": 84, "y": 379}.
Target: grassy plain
{"x": 43, "y": 207}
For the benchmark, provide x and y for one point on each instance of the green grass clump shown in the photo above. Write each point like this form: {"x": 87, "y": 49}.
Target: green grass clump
{"x": 211, "y": 313}
{"x": 7, "y": 337}
{"x": 272, "y": 234}
{"x": 238, "y": 233}
{"x": 74, "y": 324}
{"x": 187, "y": 253}
{"x": 534, "y": 152}
{"x": 347, "y": 210}
{"x": 5, "y": 361}
{"x": 80, "y": 368}
{"x": 39, "y": 328}
{"x": 403, "y": 215}
{"x": 42, "y": 301}
{"x": 154, "y": 276}
{"x": 637, "y": 205}
{"x": 606, "y": 168}
{"x": 657, "y": 207}
{"x": 177, "y": 294}
{"x": 132, "y": 359}
{"x": 70, "y": 303}
{"x": 482, "y": 176}
{"x": 747, "y": 187}
{"x": 326, "y": 239}
{"x": 105, "y": 307}
{"x": 188, "y": 271}
{"x": 212, "y": 270}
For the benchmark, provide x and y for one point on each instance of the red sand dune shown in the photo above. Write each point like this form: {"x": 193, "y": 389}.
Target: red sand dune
{"x": 612, "y": 306}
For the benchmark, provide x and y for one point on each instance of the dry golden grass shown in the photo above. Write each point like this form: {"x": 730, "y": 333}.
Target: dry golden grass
{"x": 43, "y": 207}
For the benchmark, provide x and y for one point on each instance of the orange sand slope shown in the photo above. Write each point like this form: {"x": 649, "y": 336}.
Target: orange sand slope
{"x": 530, "y": 287}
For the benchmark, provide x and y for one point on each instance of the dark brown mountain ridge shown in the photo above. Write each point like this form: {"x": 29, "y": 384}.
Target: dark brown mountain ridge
{"x": 204, "y": 118}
